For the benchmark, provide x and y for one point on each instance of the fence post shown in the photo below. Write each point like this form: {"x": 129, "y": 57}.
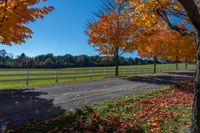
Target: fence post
{"x": 27, "y": 77}
{"x": 74, "y": 76}
{"x": 90, "y": 74}
{"x": 104, "y": 73}
{"x": 177, "y": 66}
{"x": 56, "y": 76}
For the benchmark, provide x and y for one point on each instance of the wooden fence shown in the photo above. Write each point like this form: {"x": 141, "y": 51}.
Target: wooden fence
{"x": 27, "y": 75}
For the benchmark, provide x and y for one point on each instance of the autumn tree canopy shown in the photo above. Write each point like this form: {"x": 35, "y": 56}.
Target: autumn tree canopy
{"x": 166, "y": 43}
{"x": 113, "y": 30}
{"x": 180, "y": 47}
{"x": 152, "y": 43}
{"x": 150, "y": 13}
{"x": 15, "y": 15}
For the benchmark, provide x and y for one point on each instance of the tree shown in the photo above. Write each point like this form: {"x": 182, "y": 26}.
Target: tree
{"x": 3, "y": 55}
{"x": 81, "y": 60}
{"x": 31, "y": 63}
{"x": 189, "y": 51}
{"x": 153, "y": 44}
{"x": 69, "y": 60}
{"x": 113, "y": 31}
{"x": 182, "y": 16}
{"x": 166, "y": 43}
{"x": 22, "y": 61}
{"x": 60, "y": 61}
{"x": 49, "y": 63}
{"x": 14, "y": 15}
{"x": 179, "y": 48}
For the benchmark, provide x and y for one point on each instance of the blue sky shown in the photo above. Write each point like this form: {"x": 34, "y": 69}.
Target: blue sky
{"x": 62, "y": 31}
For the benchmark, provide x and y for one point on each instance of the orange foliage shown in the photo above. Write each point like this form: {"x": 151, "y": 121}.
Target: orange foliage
{"x": 154, "y": 109}
{"x": 155, "y": 15}
{"x": 181, "y": 47}
{"x": 14, "y": 15}
{"x": 153, "y": 43}
{"x": 146, "y": 32}
{"x": 152, "y": 12}
{"x": 113, "y": 31}
{"x": 165, "y": 43}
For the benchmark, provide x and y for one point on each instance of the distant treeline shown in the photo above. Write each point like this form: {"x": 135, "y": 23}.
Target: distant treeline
{"x": 65, "y": 61}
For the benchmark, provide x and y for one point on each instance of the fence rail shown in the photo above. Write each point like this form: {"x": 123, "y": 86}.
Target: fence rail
{"x": 27, "y": 75}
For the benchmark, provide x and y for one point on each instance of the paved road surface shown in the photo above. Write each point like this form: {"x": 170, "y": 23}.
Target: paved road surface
{"x": 20, "y": 105}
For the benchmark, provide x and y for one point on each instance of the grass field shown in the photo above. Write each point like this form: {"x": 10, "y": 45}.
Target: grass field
{"x": 51, "y": 76}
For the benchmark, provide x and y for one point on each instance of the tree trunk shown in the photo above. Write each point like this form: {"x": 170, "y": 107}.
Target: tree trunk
{"x": 176, "y": 62}
{"x": 186, "y": 63}
{"x": 155, "y": 63}
{"x": 116, "y": 54}
{"x": 192, "y": 12}
{"x": 196, "y": 103}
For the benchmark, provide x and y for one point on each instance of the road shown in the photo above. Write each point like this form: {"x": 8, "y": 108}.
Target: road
{"x": 18, "y": 106}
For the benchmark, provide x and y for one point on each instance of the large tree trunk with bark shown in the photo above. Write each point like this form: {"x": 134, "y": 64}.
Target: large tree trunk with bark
{"x": 196, "y": 103}
{"x": 116, "y": 54}
{"x": 192, "y": 12}
{"x": 155, "y": 64}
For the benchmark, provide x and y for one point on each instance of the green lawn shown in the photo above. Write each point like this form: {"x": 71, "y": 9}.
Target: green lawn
{"x": 81, "y": 74}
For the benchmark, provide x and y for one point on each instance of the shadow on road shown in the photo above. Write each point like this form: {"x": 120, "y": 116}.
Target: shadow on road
{"x": 18, "y": 106}
{"x": 164, "y": 79}
{"x": 188, "y": 73}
